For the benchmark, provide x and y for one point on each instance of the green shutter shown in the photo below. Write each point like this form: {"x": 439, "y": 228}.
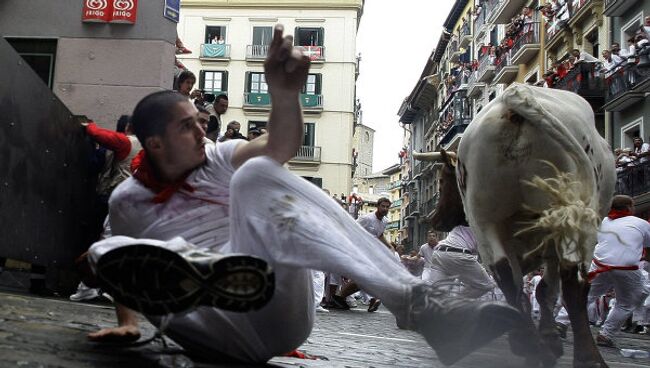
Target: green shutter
{"x": 224, "y": 81}
{"x": 202, "y": 79}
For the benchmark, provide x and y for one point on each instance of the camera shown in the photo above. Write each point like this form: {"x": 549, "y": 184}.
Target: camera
{"x": 209, "y": 97}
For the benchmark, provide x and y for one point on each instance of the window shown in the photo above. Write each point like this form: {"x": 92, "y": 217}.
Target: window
{"x": 256, "y": 125}
{"x": 313, "y": 85}
{"x": 366, "y": 137}
{"x": 310, "y": 134}
{"x": 371, "y": 190}
{"x": 630, "y": 28}
{"x": 262, "y": 35}
{"x": 316, "y": 181}
{"x": 309, "y": 36}
{"x": 213, "y": 81}
{"x": 215, "y": 34}
{"x": 39, "y": 54}
{"x": 257, "y": 83}
{"x": 631, "y": 131}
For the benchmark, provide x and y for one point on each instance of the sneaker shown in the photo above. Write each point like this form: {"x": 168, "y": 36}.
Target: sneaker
{"x": 182, "y": 50}
{"x": 374, "y": 305}
{"x": 155, "y": 281}
{"x": 602, "y": 340}
{"x": 339, "y": 302}
{"x": 84, "y": 293}
{"x": 320, "y": 309}
{"x": 456, "y": 327}
{"x": 180, "y": 65}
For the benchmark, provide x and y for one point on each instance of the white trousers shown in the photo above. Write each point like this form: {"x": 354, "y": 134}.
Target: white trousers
{"x": 294, "y": 226}
{"x": 464, "y": 267}
{"x": 630, "y": 293}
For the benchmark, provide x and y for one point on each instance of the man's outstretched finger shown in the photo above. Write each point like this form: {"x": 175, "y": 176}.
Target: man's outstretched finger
{"x": 277, "y": 35}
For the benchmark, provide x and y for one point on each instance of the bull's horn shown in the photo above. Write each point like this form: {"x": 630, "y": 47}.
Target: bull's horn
{"x": 432, "y": 156}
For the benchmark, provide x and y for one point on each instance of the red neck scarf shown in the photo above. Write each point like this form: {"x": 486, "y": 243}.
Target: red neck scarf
{"x": 143, "y": 172}
{"x": 615, "y": 214}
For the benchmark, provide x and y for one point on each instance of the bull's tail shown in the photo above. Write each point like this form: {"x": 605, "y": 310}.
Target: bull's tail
{"x": 571, "y": 220}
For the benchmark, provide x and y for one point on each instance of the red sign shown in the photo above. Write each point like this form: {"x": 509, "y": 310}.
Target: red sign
{"x": 124, "y": 11}
{"x": 97, "y": 11}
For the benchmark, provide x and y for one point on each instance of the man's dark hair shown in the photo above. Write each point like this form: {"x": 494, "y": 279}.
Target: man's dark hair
{"x": 185, "y": 74}
{"x": 220, "y": 97}
{"x": 621, "y": 202}
{"x": 202, "y": 109}
{"x": 382, "y": 200}
{"x": 122, "y": 122}
{"x": 232, "y": 124}
{"x": 153, "y": 113}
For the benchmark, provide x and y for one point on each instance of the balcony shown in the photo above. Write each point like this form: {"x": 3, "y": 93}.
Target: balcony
{"x": 465, "y": 36}
{"x": 396, "y": 204}
{"x": 556, "y": 25}
{"x": 393, "y": 225}
{"x": 412, "y": 210}
{"x": 585, "y": 80}
{"x": 256, "y": 52}
{"x": 454, "y": 51}
{"x": 626, "y": 87}
{"x": 429, "y": 206}
{"x": 214, "y": 52}
{"x": 504, "y": 10}
{"x": 505, "y": 70}
{"x": 485, "y": 69}
{"x": 257, "y": 101}
{"x": 527, "y": 45}
{"x": 634, "y": 181}
{"x": 417, "y": 170}
{"x": 309, "y": 154}
{"x": 616, "y": 8}
{"x": 394, "y": 184}
{"x": 490, "y": 6}
{"x": 311, "y": 103}
{"x": 316, "y": 53}
{"x": 583, "y": 9}
{"x": 480, "y": 24}
{"x": 474, "y": 87}
{"x": 454, "y": 118}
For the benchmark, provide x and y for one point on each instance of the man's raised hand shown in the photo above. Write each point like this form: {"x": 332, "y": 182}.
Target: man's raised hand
{"x": 286, "y": 68}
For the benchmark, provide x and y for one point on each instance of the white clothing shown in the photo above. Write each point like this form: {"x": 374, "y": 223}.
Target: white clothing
{"x": 645, "y": 147}
{"x": 426, "y": 251}
{"x": 291, "y": 224}
{"x": 621, "y": 241}
{"x": 372, "y": 224}
{"x": 612, "y": 65}
{"x": 460, "y": 237}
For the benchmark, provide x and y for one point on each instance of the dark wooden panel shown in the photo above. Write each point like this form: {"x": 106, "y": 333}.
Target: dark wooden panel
{"x": 46, "y": 191}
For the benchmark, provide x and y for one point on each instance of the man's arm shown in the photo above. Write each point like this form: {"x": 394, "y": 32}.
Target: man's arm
{"x": 114, "y": 141}
{"x": 382, "y": 238}
{"x": 286, "y": 72}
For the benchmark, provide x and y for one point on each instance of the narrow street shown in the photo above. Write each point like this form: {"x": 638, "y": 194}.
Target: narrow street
{"x": 38, "y": 332}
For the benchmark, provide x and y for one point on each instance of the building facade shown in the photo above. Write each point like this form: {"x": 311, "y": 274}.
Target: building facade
{"x": 482, "y": 50}
{"x": 363, "y": 148}
{"x": 229, "y": 40}
{"x": 100, "y": 70}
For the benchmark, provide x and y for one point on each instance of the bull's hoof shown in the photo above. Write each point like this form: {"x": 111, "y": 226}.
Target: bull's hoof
{"x": 553, "y": 343}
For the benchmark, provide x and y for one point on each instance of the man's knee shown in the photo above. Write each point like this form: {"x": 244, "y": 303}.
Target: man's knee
{"x": 253, "y": 173}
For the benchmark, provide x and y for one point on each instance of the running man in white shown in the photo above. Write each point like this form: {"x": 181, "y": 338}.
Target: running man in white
{"x": 456, "y": 257}
{"x": 186, "y": 277}
{"x": 426, "y": 251}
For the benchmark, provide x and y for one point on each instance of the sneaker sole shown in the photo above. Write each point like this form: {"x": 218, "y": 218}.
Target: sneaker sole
{"x": 157, "y": 281}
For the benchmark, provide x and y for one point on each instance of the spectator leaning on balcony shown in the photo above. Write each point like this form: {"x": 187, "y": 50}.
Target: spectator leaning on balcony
{"x": 641, "y": 150}
{"x": 611, "y": 63}
{"x": 623, "y": 159}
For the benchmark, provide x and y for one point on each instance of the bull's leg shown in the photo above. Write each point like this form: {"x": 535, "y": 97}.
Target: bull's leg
{"x": 575, "y": 289}
{"x": 524, "y": 340}
{"x": 547, "y": 293}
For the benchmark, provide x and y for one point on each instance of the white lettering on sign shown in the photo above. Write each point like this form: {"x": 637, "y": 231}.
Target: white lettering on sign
{"x": 96, "y": 4}
{"x": 123, "y": 5}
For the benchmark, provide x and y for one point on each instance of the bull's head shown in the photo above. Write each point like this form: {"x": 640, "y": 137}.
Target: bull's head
{"x": 449, "y": 211}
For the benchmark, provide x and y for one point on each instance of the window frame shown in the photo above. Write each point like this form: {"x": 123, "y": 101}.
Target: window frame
{"x": 249, "y": 82}
{"x": 320, "y": 31}
{"x": 224, "y": 80}
{"x": 317, "y": 85}
{"x": 224, "y": 29}
{"x": 253, "y": 36}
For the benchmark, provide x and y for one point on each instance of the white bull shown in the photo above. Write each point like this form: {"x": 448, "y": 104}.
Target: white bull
{"x": 535, "y": 178}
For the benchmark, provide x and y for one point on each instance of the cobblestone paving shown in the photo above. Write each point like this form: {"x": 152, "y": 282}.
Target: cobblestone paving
{"x": 36, "y": 332}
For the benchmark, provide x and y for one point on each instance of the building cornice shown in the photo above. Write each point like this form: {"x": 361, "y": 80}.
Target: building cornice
{"x": 259, "y": 4}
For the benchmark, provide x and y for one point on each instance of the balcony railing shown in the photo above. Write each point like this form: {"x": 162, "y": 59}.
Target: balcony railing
{"x": 430, "y": 205}
{"x": 315, "y": 53}
{"x": 527, "y": 44}
{"x": 257, "y": 52}
{"x": 257, "y": 99}
{"x": 393, "y": 225}
{"x": 412, "y": 208}
{"x": 474, "y": 87}
{"x": 485, "y": 68}
{"x": 465, "y": 34}
{"x": 583, "y": 79}
{"x": 394, "y": 184}
{"x": 617, "y": 8}
{"x": 625, "y": 87}
{"x": 311, "y": 101}
{"x": 396, "y": 203}
{"x": 634, "y": 181}
{"x": 215, "y": 51}
{"x": 417, "y": 169}
{"x": 479, "y": 23}
{"x": 308, "y": 153}
{"x": 490, "y": 7}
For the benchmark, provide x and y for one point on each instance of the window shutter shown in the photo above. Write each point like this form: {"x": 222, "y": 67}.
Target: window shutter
{"x": 202, "y": 79}
{"x": 319, "y": 84}
{"x": 248, "y": 82}
{"x": 224, "y": 81}
{"x": 318, "y": 182}
{"x": 296, "y": 33}
{"x": 321, "y": 36}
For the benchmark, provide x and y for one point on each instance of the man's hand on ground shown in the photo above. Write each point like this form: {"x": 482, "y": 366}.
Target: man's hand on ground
{"x": 123, "y": 334}
{"x": 286, "y": 68}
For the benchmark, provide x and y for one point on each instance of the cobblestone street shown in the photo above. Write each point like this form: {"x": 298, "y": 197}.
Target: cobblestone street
{"x": 37, "y": 332}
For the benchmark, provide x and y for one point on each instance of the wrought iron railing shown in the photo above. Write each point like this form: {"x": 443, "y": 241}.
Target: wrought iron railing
{"x": 502, "y": 61}
{"x": 480, "y": 21}
{"x": 215, "y": 50}
{"x": 257, "y": 99}
{"x": 625, "y": 79}
{"x": 526, "y": 37}
{"x": 257, "y": 51}
{"x": 634, "y": 181}
{"x": 584, "y": 79}
{"x": 308, "y": 153}
{"x": 412, "y": 208}
{"x": 393, "y": 225}
{"x": 314, "y": 52}
{"x": 465, "y": 30}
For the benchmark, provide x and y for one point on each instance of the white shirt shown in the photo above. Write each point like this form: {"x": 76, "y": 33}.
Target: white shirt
{"x": 426, "y": 251}
{"x": 372, "y": 224}
{"x": 200, "y": 217}
{"x": 645, "y": 147}
{"x": 613, "y": 65}
{"x": 460, "y": 237}
{"x": 621, "y": 241}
